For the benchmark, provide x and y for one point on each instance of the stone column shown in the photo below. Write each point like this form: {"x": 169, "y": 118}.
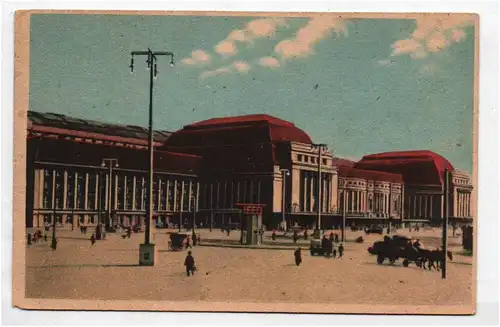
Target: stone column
{"x": 53, "y": 204}
{"x": 86, "y": 197}
{"x": 36, "y": 198}
{"x": 311, "y": 195}
{"x": 114, "y": 194}
{"x": 306, "y": 185}
{"x": 190, "y": 191}
{"x": 167, "y": 195}
{"x": 174, "y": 209}
{"x": 134, "y": 190}
{"x": 65, "y": 196}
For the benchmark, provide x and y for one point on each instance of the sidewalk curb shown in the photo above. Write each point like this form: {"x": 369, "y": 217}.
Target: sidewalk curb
{"x": 253, "y": 247}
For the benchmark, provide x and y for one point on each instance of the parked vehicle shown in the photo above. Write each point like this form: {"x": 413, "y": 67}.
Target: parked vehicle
{"x": 316, "y": 248}
{"x": 374, "y": 230}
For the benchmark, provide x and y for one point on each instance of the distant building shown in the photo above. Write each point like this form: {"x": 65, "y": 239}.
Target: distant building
{"x": 209, "y": 166}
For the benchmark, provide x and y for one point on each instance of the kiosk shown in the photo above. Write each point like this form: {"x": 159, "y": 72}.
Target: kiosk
{"x": 251, "y": 223}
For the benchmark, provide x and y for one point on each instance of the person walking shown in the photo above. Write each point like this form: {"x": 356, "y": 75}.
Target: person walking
{"x": 273, "y": 235}
{"x": 295, "y": 237}
{"x": 298, "y": 256}
{"x": 29, "y": 238}
{"x": 341, "y": 251}
{"x": 188, "y": 243}
{"x": 92, "y": 239}
{"x": 189, "y": 263}
{"x": 45, "y": 237}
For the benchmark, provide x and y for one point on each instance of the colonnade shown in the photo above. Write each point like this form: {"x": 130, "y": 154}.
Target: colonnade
{"x": 78, "y": 195}
{"x": 309, "y": 192}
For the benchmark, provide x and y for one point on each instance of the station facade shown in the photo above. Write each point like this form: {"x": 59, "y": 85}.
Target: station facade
{"x": 85, "y": 172}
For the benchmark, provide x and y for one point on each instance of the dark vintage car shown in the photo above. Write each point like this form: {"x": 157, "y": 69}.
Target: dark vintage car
{"x": 316, "y": 247}
{"x": 393, "y": 249}
{"x": 177, "y": 241}
{"x": 374, "y": 230}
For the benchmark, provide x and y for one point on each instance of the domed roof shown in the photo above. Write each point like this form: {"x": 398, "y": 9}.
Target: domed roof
{"x": 417, "y": 167}
{"x": 243, "y": 143}
{"x": 231, "y": 130}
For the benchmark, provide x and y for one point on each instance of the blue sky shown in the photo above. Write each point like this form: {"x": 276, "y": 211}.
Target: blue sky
{"x": 360, "y": 85}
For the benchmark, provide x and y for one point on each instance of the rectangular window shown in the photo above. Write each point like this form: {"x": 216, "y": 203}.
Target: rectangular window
{"x": 47, "y": 189}
{"x": 129, "y": 192}
{"x": 324, "y": 161}
{"x": 70, "y": 196}
{"x": 299, "y": 157}
{"x": 59, "y": 189}
{"x": 80, "y": 191}
{"x": 120, "y": 191}
{"x": 138, "y": 195}
{"x": 91, "y": 196}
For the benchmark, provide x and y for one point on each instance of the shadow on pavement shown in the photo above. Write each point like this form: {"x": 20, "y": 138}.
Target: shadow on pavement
{"x": 86, "y": 266}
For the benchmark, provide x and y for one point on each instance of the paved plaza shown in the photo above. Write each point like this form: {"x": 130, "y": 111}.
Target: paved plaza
{"x": 109, "y": 271}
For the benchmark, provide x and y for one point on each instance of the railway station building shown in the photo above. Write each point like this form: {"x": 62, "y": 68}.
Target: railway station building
{"x": 85, "y": 172}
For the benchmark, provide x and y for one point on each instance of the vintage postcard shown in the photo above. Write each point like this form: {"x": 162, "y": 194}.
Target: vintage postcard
{"x": 248, "y": 162}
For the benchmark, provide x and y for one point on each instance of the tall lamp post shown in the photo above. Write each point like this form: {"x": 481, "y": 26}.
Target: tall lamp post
{"x": 110, "y": 163}
{"x": 147, "y": 250}
{"x": 320, "y": 148}
{"x": 284, "y": 173}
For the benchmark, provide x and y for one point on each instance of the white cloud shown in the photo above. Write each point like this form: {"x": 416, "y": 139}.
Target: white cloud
{"x": 254, "y": 29}
{"x": 215, "y": 72}
{"x": 386, "y": 63}
{"x": 433, "y": 34}
{"x": 308, "y": 36}
{"x": 197, "y": 57}
{"x": 237, "y": 66}
{"x": 269, "y": 62}
{"x": 241, "y": 66}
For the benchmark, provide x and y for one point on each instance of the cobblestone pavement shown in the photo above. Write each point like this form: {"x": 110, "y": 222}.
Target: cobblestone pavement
{"x": 109, "y": 271}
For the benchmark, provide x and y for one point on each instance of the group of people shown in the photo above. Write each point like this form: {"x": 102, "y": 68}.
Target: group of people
{"x": 328, "y": 246}
{"x": 83, "y": 229}
{"x": 37, "y": 236}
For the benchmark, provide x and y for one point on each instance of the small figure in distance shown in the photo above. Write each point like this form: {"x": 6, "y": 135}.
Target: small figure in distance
{"x": 298, "y": 256}
{"x": 189, "y": 263}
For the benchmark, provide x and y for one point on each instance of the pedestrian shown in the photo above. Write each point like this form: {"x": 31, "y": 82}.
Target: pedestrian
{"x": 336, "y": 238}
{"x": 34, "y": 238}
{"x": 273, "y": 235}
{"x": 228, "y": 231}
{"x": 324, "y": 246}
{"x": 298, "y": 256}
{"x": 334, "y": 252}
{"x": 188, "y": 243}
{"x": 295, "y": 237}
{"x": 189, "y": 263}
{"x": 45, "y": 237}
{"x": 198, "y": 239}
{"x": 92, "y": 239}
{"x": 341, "y": 251}
{"x": 29, "y": 238}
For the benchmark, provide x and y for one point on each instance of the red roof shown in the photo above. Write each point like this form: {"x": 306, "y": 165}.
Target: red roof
{"x": 273, "y": 129}
{"x": 350, "y": 172}
{"x": 417, "y": 167}
{"x": 244, "y": 143}
{"x": 72, "y": 152}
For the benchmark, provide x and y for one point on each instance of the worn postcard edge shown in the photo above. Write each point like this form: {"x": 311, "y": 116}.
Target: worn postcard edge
{"x": 21, "y": 105}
